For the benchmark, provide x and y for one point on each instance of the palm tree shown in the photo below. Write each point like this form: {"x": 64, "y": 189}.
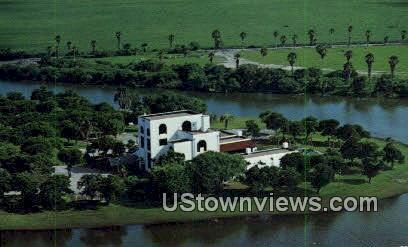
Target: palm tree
{"x": 237, "y": 57}
{"x": 312, "y": 39}
{"x": 74, "y": 52}
{"x": 393, "y": 61}
{"x": 216, "y": 36}
{"x": 226, "y": 118}
{"x": 403, "y": 35}
{"x": 49, "y": 50}
{"x": 349, "y": 30}
{"x": 118, "y": 37}
{"x": 171, "y": 40}
{"x": 368, "y": 36}
{"x": 369, "y": 59}
{"x": 160, "y": 55}
{"x": 57, "y": 41}
{"x": 294, "y": 39}
{"x": 292, "y": 60}
{"x": 69, "y": 44}
{"x": 144, "y": 47}
{"x": 242, "y": 35}
{"x": 276, "y": 34}
{"x": 283, "y": 40}
{"x": 347, "y": 69}
{"x": 321, "y": 49}
{"x": 211, "y": 56}
{"x": 386, "y": 39}
{"x": 263, "y": 51}
{"x": 93, "y": 46}
{"x": 331, "y": 32}
{"x": 349, "y": 55}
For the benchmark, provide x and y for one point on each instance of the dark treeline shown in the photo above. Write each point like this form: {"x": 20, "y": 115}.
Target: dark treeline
{"x": 208, "y": 78}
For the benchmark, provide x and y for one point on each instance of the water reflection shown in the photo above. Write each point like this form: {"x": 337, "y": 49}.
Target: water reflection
{"x": 383, "y": 117}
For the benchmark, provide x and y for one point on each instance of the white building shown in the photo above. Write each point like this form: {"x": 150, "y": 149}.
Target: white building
{"x": 270, "y": 157}
{"x": 189, "y": 133}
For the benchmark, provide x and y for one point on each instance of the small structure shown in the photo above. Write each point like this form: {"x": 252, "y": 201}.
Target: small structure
{"x": 268, "y": 157}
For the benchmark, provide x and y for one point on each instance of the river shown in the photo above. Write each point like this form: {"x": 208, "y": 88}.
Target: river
{"x": 387, "y": 227}
{"x": 382, "y": 117}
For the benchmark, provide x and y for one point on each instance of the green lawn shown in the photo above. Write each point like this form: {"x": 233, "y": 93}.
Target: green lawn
{"x": 195, "y": 57}
{"x": 32, "y": 24}
{"x": 308, "y": 57}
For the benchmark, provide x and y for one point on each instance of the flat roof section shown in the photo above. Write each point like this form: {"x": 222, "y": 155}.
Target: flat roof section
{"x": 233, "y": 139}
{"x": 268, "y": 152}
{"x": 172, "y": 114}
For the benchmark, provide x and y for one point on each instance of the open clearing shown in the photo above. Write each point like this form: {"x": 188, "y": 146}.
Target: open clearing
{"x": 32, "y": 24}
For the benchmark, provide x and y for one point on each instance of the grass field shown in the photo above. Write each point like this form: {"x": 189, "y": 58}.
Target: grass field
{"x": 197, "y": 57}
{"x": 32, "y": 24}
{"x": 308, "y": 57}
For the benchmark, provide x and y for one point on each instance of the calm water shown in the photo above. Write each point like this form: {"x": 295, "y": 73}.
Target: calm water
{"x": 382, "y": 117}
{"x": 388, "y": 227}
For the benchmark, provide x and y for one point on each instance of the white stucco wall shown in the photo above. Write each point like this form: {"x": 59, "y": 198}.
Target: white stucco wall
{"x": 268, "y": 159}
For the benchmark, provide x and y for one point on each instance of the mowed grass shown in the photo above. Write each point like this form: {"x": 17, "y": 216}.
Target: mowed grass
{"x": 197, "y": 57}
{"x": 32, "y": 24}
{"x": 335, "y": 59}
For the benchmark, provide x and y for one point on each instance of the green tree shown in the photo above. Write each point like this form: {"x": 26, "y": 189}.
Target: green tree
{"x": 392, "y": 154}
{"x": 386, "y": 39}
{"x": 274, "y": 121}
{"x": 211, "y": 169}
{"x": 368, "y": 34}
{"x": 5, "y": 183}
{"x": 283, "y": 40}
{"x": 331, "y": 32}
{"x": 170, "y": 178}
{"x": 237, "y": 58}
{"x": 288, "y": 178}
{"x": 312, "y": 37}
{"x": 216, "y": 36}
{"x": 160, "y": 55}
{"x": 170, "y": 157}
{"x": 260, "y": 178}
{"x": 118, "y": 36}
{"x": 369, "y": 59}
{"x": 111, "y": 187}
{"x": 93, "y": 46}
{"x": 296, "y": 128}
{"x": 294, "y": 40}
{"x": 71, "y": 157}
{"x": 403, "y": 35}
{"x": 321, "y": 49}
{"x": 349, "y": 30}
{"x": 243, "y": 35}
{"x": 292, "y": 60}
{"x": 293, "y": 160}
{"x": 28, "y": 184}
{"x": 211, "y": 56}
{"x": 370, "y": 168}
{"x": 171, "y": 40}
{"x": 393, "y": 61}
{"x": 328, "y": 127}
{"x": 88, "y": 185}
{"x": 144, "y": 47}
{"x": 311, "y": 125}
{"x": 53, "y": 191}
{"x": 226, "y": 119}
{"x": 351, "y": 149}
{"x": 57, "y": 45}
{"x": 69, "y": 45}
{"x": 252, "y": 127}
{"x": 347, "y": 70}
{"x": 321, "y": 175}
{"x": 263, "y": 51}
{"x": 276, "y": 35}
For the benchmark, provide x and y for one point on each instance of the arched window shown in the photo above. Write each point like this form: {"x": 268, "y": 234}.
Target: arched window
{"x": 201, "y": 146}
{"x": 162, "y": 129}
{"x": 186, "y": 126}
{"x": 141, "y": 130}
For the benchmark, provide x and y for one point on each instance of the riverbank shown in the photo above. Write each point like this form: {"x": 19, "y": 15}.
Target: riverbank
{"x": 387, "y": 184}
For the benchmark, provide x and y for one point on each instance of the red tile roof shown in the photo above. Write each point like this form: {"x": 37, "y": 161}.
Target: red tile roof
{"x": 235, "y": 146}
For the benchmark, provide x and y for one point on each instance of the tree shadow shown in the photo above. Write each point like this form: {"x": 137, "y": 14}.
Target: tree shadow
{"x": 353, "y": 181}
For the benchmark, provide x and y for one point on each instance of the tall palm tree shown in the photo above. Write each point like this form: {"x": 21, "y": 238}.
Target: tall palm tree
{"x": 144, "y": 47}
{"x": 226, "y": 118}
{"x": 368, "y": 36}
{"x": 294, "y": 40}
{"x": 242, "y": 35}
{"x": 369, "y": 59}
{"x": 93, "y": 46}
{"x": 283, "y": 40}
{"x": 211, "y": 56}
{"x": 237, "y": 57}
{"x": 349, "y": 30}
{"x": 69, "y": 44}
{"x": 321, "y": 49}
{"x": 118, "y": 36}
{"x": 263, "y": 51}
{"x": 74, "y": 52}
{"x": 312, "y": 37}
{"x": 275, "y": 35}
{"x": 216, "y": 36}
{"x": 386, "y": 39}
{"x": 57, "y": 44}
{"x": 347, "y": 69}
{"x": 331, "y": 32}
{"x": 49, "y": 50}
{"x": 292, "y": 60}
{"x": 393, "y": 61}
{"x": 403, "y": 35}
{"x": 349, "y": 55}
{"x": 171, "y": 40}
{"x": 160, "y": 55}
